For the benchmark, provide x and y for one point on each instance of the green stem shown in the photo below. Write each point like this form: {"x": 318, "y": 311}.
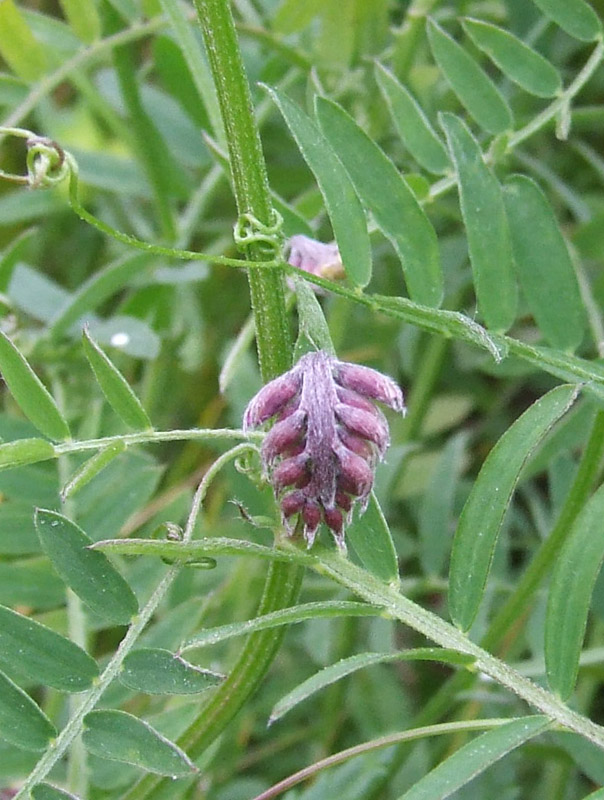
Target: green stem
{"x": 274, "y": 354}
{"x": 74, "y": 726}
{"x": 371, "y": 589}
{"x": 378, "y": 744}
{"x": 249, "y": 180}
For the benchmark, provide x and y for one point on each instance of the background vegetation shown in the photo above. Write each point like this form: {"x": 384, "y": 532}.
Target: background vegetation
{"x": 475, "y": 281}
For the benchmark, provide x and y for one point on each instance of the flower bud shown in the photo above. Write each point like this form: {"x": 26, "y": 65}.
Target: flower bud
{"x": 321, "y": 452}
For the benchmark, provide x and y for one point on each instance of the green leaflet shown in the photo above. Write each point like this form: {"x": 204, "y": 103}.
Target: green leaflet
{"x": 543, "y": 263}
{"x": 486, "y": 224}
{"x": 116, "y": 389}
{"x": 29, "y": 392}
{"x": 577, "y": 567}
{"x": 312, "y": 325}
{"x": 44, "y": 791}
{"x": 287, "y": 616}
{"x": 22, "y": 723}
{"x": 371, "y": 540}
{"x": 576, "y": 17}
{"x": 25, "y": 451}
{"x": 91, "y": 468}
{"x": 30, "y": 649}
{"x": 89, "y": 573}
{"x": 83, "y": 18}
{"x": 121, "y": 737}
{"x": 476, "y": 92}
{"x": 392, "y": 203}
{"x": 474, "y": 757}
{"x": 342, "y": 204}
{"x": 418, "y": 135}
{"x": 18, "y": 47}
{"x": 515, "y": 59}
{"x": 483, "y": 512}
{"x": 346, "y": 666}
{"x": 158, "y": 671}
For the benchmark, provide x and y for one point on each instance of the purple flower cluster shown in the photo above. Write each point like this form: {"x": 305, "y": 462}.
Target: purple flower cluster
{"x": 328, "y": 435}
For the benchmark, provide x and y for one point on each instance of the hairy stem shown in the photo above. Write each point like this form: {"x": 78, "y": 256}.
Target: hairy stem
{"x": 274, "y": 354}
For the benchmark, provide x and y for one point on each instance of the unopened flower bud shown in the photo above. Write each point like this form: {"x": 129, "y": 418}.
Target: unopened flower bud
{"x": 321, "y": 452}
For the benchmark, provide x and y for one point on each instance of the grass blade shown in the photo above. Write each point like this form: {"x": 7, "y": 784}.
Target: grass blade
{"x": 475, "y": 91}
{"x": 474, "y": 757}
{"x": 343, "y": 206}
{"x": 334, "y": 672}
{"x": 391, "y": 202}
{"x": 487, "y": 227}
{"x": 18, "y": 46}
{"x": 518, "y": 62}
{"x": 30, "y": 393}
{"x": 544, "y": 266}
{"x": 482, "y": 515}
{"x": 419, "y": 137}
{"x": 573, "y": 580}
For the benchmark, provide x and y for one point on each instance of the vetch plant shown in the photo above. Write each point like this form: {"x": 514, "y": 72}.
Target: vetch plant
{"x": 412, "y": 193}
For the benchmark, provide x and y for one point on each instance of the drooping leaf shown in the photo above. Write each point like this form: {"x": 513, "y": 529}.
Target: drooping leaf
{"x": 158, "y": 671}
{"x": 115, "y": 387}
{"x": 346, "y": 666}
{"x": 22, "y": 723}
{"x": 418, "y": 135}
{"x": 89, "y": 573}
{"x": 474, "y": 757}
{"x": 29, "y": 392}
{"x": 25, "y": 451}
{"x": 45, "y": 791}
{"x": 476, "y": 92}
{"x": 487, "y": 227}
{"x": 119, "y": 736}
{"x": 371, "y": 540}
{"x": 32, "y": 650}
{"x": 519, "y": 62}
{"x": 576, "y": 17}
{"x": 91, "y": 468}
{"x": 577, "y": 566}
{"x": 483, "y": 512}
{"x": 343, "y": 207}
{"x": 544, "y": 266}
{"x": 391, "y": 202}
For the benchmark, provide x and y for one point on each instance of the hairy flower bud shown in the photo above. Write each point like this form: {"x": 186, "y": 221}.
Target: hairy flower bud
{"x": 321, "y": 452}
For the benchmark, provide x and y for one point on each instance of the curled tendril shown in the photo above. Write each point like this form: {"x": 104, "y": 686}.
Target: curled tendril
{"x": 250, "y": 230}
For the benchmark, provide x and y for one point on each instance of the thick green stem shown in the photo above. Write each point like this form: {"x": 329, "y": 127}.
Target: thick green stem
{"x": 249, "y": 180}
{"x": 274, "y": 354}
